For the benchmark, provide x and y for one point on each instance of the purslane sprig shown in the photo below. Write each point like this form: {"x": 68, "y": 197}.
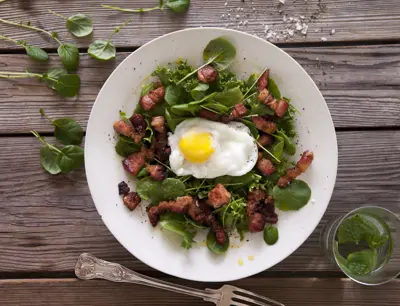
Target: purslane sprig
{"x": 177, "y": 6}
{"x": 79, "y": 25}
{"x": 33, "y": 52}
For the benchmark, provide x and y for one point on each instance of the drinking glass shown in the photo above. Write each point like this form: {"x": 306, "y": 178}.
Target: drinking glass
{"x": 388, "y": 255}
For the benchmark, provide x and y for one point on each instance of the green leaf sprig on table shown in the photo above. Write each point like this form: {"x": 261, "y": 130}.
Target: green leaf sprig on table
{"x": 104, "y": 50}
{"x": 177, "y": 6}
{"x": 68, "y": 53}
{"x": 180, "y": 225}
{"x": 33, "y": 52}
{"x": 66, "y": 85}
{"x": 79, "y": 25}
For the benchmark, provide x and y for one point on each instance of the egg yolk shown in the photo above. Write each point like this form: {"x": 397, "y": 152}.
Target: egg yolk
{"x": 196, "y": 147}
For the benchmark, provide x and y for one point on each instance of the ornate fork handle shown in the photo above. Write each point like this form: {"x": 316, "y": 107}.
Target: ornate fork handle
{"x": 90, "y": 267}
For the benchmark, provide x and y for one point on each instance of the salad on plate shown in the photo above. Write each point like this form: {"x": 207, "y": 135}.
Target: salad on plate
{"x": 210, "y": 151}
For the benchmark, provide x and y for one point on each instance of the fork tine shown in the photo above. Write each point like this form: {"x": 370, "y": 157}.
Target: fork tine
{"x": 243, "y": 298}
{"x": 237, "y": 304}
{"x": 249, "y": 293}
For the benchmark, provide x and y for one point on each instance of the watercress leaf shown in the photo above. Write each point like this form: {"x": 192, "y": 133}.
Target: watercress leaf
{"x": 293, "y": 197}
{"x": 180, "y": 229}
{"x": 221, "y": 52}
{"x": 199, "y": 91}
{"x": 253, "y": 130}
{"x": 250, "y": 81}
{"x": 53, "y": 73}
{"x": 277, "y": 147}
{"x": 69, "y": 55}
{"x": 142, "y": 173}
{"x": 229, "y": 97}
{"x": 70, "y": 157}
{"x": 290, "y": 147}
{"x": 178, "y": 6}
{"x": 242, "y": 181}
{"x": 273, "y": 89}
{"x": 271, "y": 235}
{"x": 36, "y": 53}
{"x": 146, "y": 89}
{"x": 257, "y": 108}
{"x": 126, "y": 146}
{"x": 173, "y": 120}
{"x": 68, "y": 131}
{"x": 215, "y": 247}
{"x": 217, "y": 107}
{"x": 193, "y": 223}
{"x": 194, "y": 106}
{"x": 362, "y": 262}
{"x": 79, "y": 25}
{"x": 163, "y": 74}
{"x": 48, "y": 159}
{"x": 68, "y": 85}
{"x": 170, "y": 190}
{"x": 149, "y": 132}
{"x": 146, "y": 188}
{"x": 102, "y": 50}
{"x": 174, "y": 94}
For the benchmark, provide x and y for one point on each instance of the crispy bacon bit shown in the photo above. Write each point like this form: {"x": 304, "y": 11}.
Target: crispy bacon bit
{"x": 180, "y": 206}
{"x": 131, "y": 200}
{"x": 138, "y": 123}
{"x": 134, "y": 162}
{"x": 162, "y": 150}
{"x": 254, "y": 209}
{"x": 239, "y": 111}
{"x": 265, "y": 140}
{"x": 265, "y": 166}
{"x": 207, "y": 74}
{"x": 123, "y": 188}
{"x": 157, "y": 172}
{"x": 219, "y": 196}
{"x": 200, "y": 212}
{"x": 158, "y": 123}
{"x": 209, "y": 115}
{"x": 264, "y": 125}
{"x": 226, "y": 118}
{"x": 262, "y": 82}
{"x": 269, "y": 211}
{"x": 280, "y": 107}
{"x": 301, "y": 166}
{"x": 123, "y": 128}
{"x": 150, "y": 100}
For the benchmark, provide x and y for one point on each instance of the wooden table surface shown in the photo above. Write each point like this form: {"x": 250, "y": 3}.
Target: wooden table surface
{"x": 352, "y": 51}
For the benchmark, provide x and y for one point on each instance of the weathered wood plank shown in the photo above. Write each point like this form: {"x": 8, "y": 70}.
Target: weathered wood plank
{"x": 289, "y": 291}
{"x": 360, "y": 85}
{"x": 47, "y": 221}
{"x": 352, "y": 20}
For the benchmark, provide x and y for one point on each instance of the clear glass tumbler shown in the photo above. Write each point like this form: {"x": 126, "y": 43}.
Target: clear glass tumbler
{"x": 383, "y": 256}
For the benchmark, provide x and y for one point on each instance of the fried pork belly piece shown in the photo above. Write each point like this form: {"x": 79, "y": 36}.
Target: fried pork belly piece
{"x": 219, "y": 196}
{"x": 207, "y": 74}
{"x": 254, "y": 207}
{"x": 265, "y": 166}
{"x": 180, "y": 206}
{"x": 301, "y": 166}
{"x": 150, "y": 100}
{"x": 123, "y": 188}
{"x": 158, "y": 124}
{"x": 157, "y": 172}
{"x": 262, "y": 82}
{"x": 264, "y": 125}
{"x": 239, "y": 111}
{"x": 279, "y": 106}
{"x": 131, "y": 200}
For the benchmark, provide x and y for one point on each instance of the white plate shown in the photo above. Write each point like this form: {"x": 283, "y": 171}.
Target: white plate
{"x": 158, "y": 249}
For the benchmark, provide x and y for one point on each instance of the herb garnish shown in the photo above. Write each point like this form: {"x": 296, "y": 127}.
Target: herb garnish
{"x": 79, "y": 25}
{"x": 177, "y": 6}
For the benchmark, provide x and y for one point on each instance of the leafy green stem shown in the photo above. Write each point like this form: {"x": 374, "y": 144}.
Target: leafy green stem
{"x": 202, "y": 66}
{"x": 31, "y": 28}
{"x": 45, "y": 115}
{"x": 254, "y": 84}
{"x": 36, "y": 134}
{"x": 119, "y": 28}
{"x": 57, "y": 14}
{"x": 140, "y": 10}
{"x": 15, "y": 75}
{"x": 10, "y": 39}
{"x": 161, "y": 163}
{"x": 268, "y": 152}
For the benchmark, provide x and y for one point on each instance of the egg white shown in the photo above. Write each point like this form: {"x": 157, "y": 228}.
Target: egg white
{"x": 235, "y": 149}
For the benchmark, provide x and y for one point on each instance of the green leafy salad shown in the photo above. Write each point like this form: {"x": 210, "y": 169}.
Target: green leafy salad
{"x": 210, "y": 151}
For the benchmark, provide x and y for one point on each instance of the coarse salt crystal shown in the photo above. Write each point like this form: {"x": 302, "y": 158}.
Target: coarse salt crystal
{"x": 305, "y": 29}
{"x": 282, "y": 1}
{"x": 241, "y": 22}
{"x": 246, "y": 22}
{"x": 226, "y": 3}
{"x": 290, "y": 32}
{"x": 284, "y": 18}
{"x": 266, "y": 28}
{"x": 333, "y": 31}
{"x": 299, "y": 27}
{"x": 324, "y": 39}
{"x": 223, "y": 16}
{"x": 237, "y": 16}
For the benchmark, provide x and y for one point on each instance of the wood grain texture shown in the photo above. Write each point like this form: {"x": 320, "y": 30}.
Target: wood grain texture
{"x": 47, "y": 221}
{"x": 360, "y": 85}
{"x": 352, "y": 20}
{"x": 289, "y": 291}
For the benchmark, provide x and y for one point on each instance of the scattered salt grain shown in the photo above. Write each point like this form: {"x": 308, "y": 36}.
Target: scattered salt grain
{"x": 226, "y": 3}
{"x": 324, "y": 39}
{"x": 304, "y": 30}
{"x": 266, "y": 28}
{"x": 223, "y": 16}
{"x": 237, "y": 16}
{"x": 245, "y": 23}
{"x": 282, "y": 1}
{"x": 333, "y": 31}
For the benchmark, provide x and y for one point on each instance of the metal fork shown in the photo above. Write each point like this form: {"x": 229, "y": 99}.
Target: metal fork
{"x": 90, "y": 267}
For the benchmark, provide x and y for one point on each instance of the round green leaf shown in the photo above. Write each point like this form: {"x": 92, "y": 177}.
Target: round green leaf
{"x": 102, "y": 50}
{"x": 68, "y": 131}
{"x": 178, "y": 6}
{"x": 69, "y": 55}
{"x": 362, "y": 262}
{"x": 68, "y": 85}
{"x": 48, "y": 159}
{"x": 126, "y": 146}
{"x": 271, "y": 235}
{"x": 215, "y": 247}
{"x": 174, "y": 94}
{"x": 221, "y": 52}
{"x": 293, "y": 197}
{"x": 277, "y": 147}
{"x": 171, "y": 189}
{"x": 146, "y": 187}
{"x": 80, "y": 25}
{"x": 274, "y": 89}
{"x": 36, "y": 53}
{"x": 53, "y": 74}
{"x": 70, "y": 157}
